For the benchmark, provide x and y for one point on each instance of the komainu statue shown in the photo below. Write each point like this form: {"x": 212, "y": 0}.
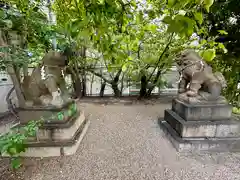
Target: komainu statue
{"x": 46, "y": 84}
{"x": 197, "y": 80}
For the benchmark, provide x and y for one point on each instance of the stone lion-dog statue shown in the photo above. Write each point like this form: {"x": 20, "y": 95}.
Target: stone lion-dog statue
{"x": 46, "y": 85}
{"x": 197, "y": 80}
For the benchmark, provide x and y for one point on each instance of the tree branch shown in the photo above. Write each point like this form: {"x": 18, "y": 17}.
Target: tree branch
{"x": 116, "y": 78}
{"x": 100, "y": 75}
{"x": 161, "y": 56}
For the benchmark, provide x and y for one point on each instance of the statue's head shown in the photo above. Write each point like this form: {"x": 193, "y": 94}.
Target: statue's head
{"x": 187, "y": 57}
{"x": 54, "y": 58}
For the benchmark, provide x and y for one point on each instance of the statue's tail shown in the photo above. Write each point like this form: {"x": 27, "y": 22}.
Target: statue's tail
{"x": 221, "y": 79}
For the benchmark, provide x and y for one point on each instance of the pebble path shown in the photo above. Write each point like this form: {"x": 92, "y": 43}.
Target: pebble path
{"x": 126, "y": 143}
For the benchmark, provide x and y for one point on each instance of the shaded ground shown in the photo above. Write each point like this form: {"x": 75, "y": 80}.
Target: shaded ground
{"x": 126, "y": 143}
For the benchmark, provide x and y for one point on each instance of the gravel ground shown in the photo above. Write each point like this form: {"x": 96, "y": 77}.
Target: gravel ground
{"x": 126, "y": 143}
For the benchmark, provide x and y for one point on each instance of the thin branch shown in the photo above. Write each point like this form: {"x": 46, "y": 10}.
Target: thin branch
{"x": 116, "y": 78}
{"x": 139, "y": 49}
{"x": 161, "y": 56}
{"x": 100, "y": 75}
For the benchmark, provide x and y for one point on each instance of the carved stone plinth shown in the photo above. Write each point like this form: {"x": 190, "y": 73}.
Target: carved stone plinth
{"x": 201, "y": 127}
{"x": 197, "y": 112}
{"x": 55, "y": 137}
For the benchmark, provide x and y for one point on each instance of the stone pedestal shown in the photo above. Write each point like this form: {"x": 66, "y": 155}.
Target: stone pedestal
{"x": 201, "y": 127}
{"x": 55, "y": 137}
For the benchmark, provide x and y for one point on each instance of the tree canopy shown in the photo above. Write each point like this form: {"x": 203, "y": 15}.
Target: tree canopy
{"x": 135, "y": 38}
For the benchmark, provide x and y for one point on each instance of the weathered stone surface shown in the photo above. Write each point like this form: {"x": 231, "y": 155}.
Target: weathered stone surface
{"x": 69, "y": 150}
{"x": 201, "y": 112}
{"x": 37, "y": 113}
{"x": 68, "y": 133}
{"x": 196, "y": 76}
{"x": 202, "y": 129}
{"x": 56, "y": 148}
{"x": 201, "y": 98}
{"x": 42, "y": 152}
{"x": 199, "y": 145}
{"x": 43, "y": 134}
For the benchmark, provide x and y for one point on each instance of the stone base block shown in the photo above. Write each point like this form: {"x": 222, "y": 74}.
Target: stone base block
{"x": 58, "y": 140}
{"x": 202, "y": 129}
{"x": 58, "y": 148}
{"x": 199, "y": 144}
{"x": 199, "y": 112}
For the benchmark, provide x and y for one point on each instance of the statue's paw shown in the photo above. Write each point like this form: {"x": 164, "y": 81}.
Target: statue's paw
{"x": 192, "y": 93}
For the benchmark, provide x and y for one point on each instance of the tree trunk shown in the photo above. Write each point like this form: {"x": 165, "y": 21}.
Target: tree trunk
{"x": 83, "y": 54}
{"x": 117, "y": 92}
{"x": 17, "y": 86}
{"x": 76, "y": 81}
{"x": 77, "y": 87}
{"x": 84, "y": 85}
{"x": 149, "y": 92}
{"x": 122, "y": 85}
{"x": 143, "y": 89}
{"x": 102, "y": 89}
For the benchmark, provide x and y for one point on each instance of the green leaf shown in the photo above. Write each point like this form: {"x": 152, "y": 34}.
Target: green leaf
{"x": 151, "y": 14}
{"x": 208, "y": 4}
{"x": 209, "y": 54}
{"x": 15, "y": 163}
{"x": 222, "y": 32}
{"x": 222, "y": 47}
{"x": 8, "y": 23}
{"x": 60, "y": 116}
{"x": 199, "y": 2}
{"x": 171, "y": 3}
{"x": 199, "y": 17}
{"x": 182, "y": 12}
{"x": 151, "y": 27}
{"x": 124, "y": 68}
{"x": 109, "y": 68}
{"x": 101, "y": 1}
{"x": 167, "y": 20}
{"x": 12, "y": 151}
{"x": 70, "y": 112}
{"x": 173, "y": 27}
{"x": 130, "y": 58}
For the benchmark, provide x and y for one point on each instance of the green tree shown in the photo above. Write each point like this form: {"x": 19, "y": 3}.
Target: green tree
{"x": 24, "y": 36}
{"x": 223, "y": 22}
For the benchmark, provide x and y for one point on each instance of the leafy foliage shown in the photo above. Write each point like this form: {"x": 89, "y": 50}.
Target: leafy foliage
{"x": 24, "y": 32}
{"x": 223, "y": 24}
{"x": 14, "y": 142}
{"x": 236, "y": 110}
{"x": 129, "y": 38}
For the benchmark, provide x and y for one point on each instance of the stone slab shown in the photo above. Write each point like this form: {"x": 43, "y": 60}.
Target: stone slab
{"x": 70, "y": 150}
{"x": 29, "y": 115}
{"x": 60, "y": 131}
{"x": 201, "y": 112}
{"x": 46, "y": 108}
{"x": 202, "y": 129}
{"x": 68, "y": 133}
{"x": 59, "y": 148}
{"x": 42, "y": 152}
{"x": 199, "y": 145}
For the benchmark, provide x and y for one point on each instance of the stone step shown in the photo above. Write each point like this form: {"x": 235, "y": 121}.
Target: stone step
{"x": 198, "y": 144}
{"x": 49, "y": 148}
{"x": 202, "y": 129}
{"x": 202, "y": 112}
{"x": 60, "y": 131}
